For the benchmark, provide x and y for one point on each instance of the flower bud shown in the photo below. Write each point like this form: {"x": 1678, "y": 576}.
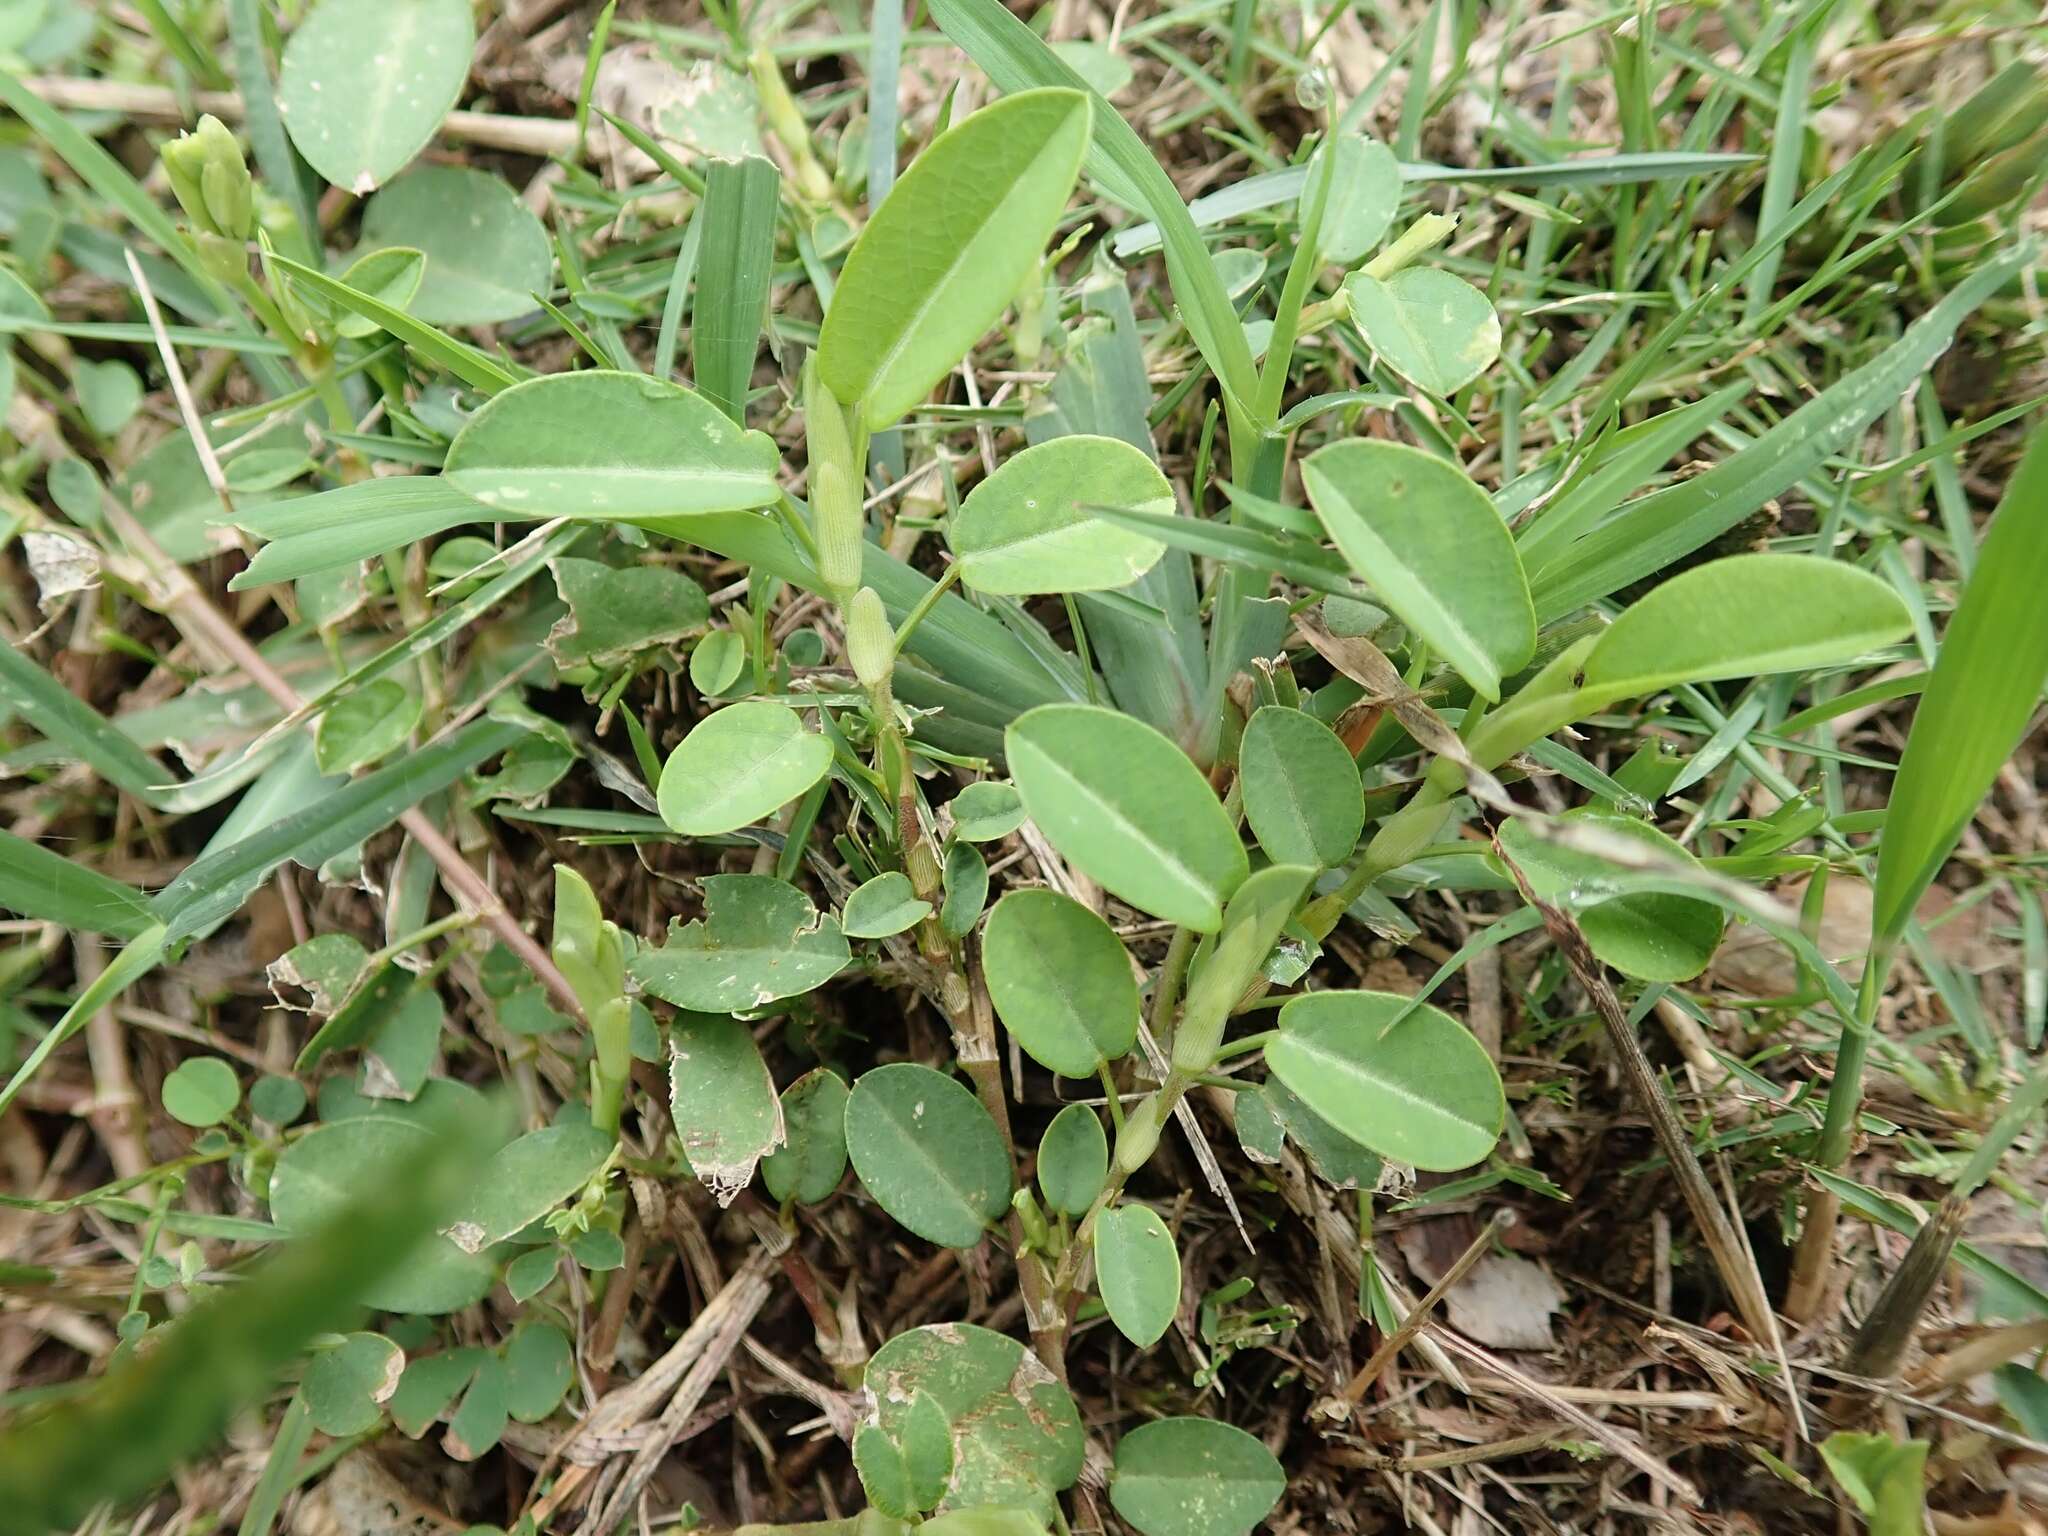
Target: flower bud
{"x": 211, "y": 180}
{"x": 870, "y": 641}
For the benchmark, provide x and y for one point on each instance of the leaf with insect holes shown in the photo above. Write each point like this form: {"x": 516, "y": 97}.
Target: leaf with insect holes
{"x": 1650, "y": 935}
{"x": 616, "y": 612}
{"x": 884, "y": 906}
{"x": 346, "y": 1387}
{"x": 201, "y": 1091}
{"x": 1984, "y": 689}
{"x": 809, "y": 1164}
{"x": 602, "y": 446}
{"x": 1073, "y": 1160}
{"x": 1026, "y": 528}
{"x": 928, "y": 1152}
{"x": 740, "y": 765}
{"x": 939, "y": 261}
{"x": 1194, "y": 1477}
{"x": 1017, "y": 1438}
{"x": 487, "y": 255}
{"x": 1423, "y": 1092}
{"x": 318, "y": 1174}
{"x": 365, "y": 83}
{"x": 527, "y": 1178}
{"x": 1433, "y": 328}
{"x": 722, "y": 1101}
{"x": 1127, "y": 808}
{"x": 1429, "y": 543}
{"x": 365, "y": 724}
{"x": 1302, "y": 794}
{"x": 1060, "y": 981}
{"x": 1365, "y": 189}
{"x": 760, "y": 939}
{"x": 1740, "y": 617}
{"x": 1137, "y": 1270}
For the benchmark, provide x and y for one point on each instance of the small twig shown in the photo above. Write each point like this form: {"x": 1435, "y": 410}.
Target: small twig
{"x": 547, "y": 137}
{"x": 1418, "y": 1315}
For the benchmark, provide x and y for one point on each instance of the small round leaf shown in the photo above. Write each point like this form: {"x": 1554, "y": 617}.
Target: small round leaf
{"x": 346, "y": 1387}
{"x": 201, "y": 1092}
{"x": 365, "y": 84}
{"x": 487, "y": 255}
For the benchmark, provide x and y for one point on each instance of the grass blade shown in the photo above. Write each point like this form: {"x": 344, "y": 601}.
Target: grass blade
{"x": 41, "y": 883}
{"x": 1985, "y": 686}
{"x": 734, "y": 263}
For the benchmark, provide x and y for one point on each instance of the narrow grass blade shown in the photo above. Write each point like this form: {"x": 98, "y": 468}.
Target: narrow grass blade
{"x": 35, "y": 696}
{"x": 1985, "y": 686}
{"x": 1647, "y": 535}
{"x": 41, "y": 883}
{"x": 473, "y": 367}
{"x": 734, "y": 263}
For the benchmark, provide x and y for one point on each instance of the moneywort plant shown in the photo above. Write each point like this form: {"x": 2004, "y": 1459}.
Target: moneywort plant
{"x": 1098, "y": 772}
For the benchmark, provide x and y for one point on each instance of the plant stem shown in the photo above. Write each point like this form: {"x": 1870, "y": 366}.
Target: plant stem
{"x": 1815, "y": 1257}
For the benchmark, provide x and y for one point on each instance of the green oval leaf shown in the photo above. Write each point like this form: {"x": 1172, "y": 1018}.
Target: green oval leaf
{"x": 365, "y": 84}
{"x": 1073, "y": 1160}
{"x": 1422, "y": 1093}
{"x": 760, "y": 939}
{"x": 722, "y": 1101}
{"x": 811, "y": 1162}
{"x": 883, "y": 906}
{"x": 364, "y": 724}
{"x": 605, "y": 446}
{"x": 1016, "y": 1436}
{"x": 391, "y": 276}
{"x": 1060, "y": 981}
{"x": 1194, "y": 1477}
{"x": 346, "y": 1387}
{"x": 201, "y": 1092}
{"x": 940, "y": 260}
{"x": 321, "y": 1172}
{"x": 1650, "y": 935}
{"x": 986, "y": 810}
{"x": 740, "y": 765}
{"x": 717, "y": 661}
{"x": 1024, "y": 529}
{"x": 539, "y": 1365}
{"x": 1365, "y": 189}
{"x": 1433, "y": 549}
{"x": 1742, "y": 617}
{"x": 1137, "y": 1269}
{"x": 928, "y": 1152}
{"x": 527, "y": 1178}
{"x": 1302, "y": 795}
{"x": 487, "y": 255}
{"x": 1431, "y": 327}
{"x": 1127, "y": 808}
